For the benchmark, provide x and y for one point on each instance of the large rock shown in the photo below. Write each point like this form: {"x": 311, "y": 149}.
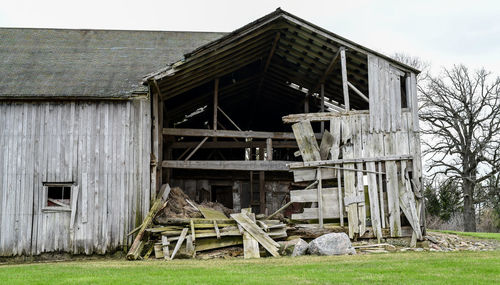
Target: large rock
{"x": 331, "y": 244}
{"x": 295, "y": 247}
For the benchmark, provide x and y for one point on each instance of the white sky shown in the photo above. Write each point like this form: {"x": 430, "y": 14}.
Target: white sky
{"x": 441, "y": 32}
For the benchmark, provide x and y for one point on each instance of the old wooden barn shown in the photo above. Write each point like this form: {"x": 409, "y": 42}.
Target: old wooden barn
{"x": 277, "y": 113}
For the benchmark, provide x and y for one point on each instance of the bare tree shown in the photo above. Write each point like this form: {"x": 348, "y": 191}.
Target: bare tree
{"x": 461, "y": 113}
{"x": 415, "y": 62}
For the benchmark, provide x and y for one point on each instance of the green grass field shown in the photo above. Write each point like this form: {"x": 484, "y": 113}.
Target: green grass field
{"x": 393, "y": 268}
{"x": 495, "y": 236}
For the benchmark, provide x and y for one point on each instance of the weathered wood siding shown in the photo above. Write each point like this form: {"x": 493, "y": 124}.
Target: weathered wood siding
{"x": 102, "y": 147}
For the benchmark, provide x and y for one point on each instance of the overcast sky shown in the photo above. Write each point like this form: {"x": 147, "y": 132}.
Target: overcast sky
{"x": 441, "y": 32}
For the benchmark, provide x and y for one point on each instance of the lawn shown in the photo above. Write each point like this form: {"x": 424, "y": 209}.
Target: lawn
{"x": 394, "y": 268}
{"x": 495, "y": 236}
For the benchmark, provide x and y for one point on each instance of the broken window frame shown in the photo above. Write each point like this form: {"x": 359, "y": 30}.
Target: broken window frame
{"x": 57, "y": 208}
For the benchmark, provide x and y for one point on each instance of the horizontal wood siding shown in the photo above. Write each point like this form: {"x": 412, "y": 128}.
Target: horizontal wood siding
{"x": 101, "y": 147}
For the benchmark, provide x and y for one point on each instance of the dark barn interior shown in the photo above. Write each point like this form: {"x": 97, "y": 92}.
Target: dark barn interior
{"x": 222, "y": 108}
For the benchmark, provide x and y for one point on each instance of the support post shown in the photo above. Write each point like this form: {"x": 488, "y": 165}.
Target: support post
{"x": 216, "y": 103}
{"x": 345, "y": 87}
{"x": 159, "y": 180}
{"x": 262, "y": 192}
{"x": 320, "y": 197}
{"x": 262, "y": 185}
{"x": 156, "y": 135}
{"x": 322, "y": 94}
{"x": 269, "y": 148}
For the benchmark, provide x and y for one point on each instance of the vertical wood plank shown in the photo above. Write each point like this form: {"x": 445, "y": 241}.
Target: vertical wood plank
{"x": 393, "y": 198}
{"x": 335, "y": 131}
{"x": 381, "y": 194}
{"x": 320, "y": 197}
{"x": 306, "y": 141}
{"x": 373, "y": 93}
{"x": 216, "y": 102}
{"x": 345, "y": 88}
{"x": 340, "y": 196}
{"x": 322, "y": 105}
{"x": 349, "y": 176}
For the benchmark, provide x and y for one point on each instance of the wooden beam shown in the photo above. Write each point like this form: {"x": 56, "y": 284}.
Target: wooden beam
{"x": 229, "y": 134}
{"x": 229, "y": 118}
{"x": 253, "y": 165}
{"x": 322, "y": 105}
{"x": 157, "y": 88}
{"x": 262, "y": 192}
{"x": 216, "y": 99}
{"x": 269, "y": 148}
{"x": 186, "y": 151}
{"x": 344, "y": 79}
{"x": 271, "y": 53}
{"x": 135, "y": 249}
{"x": 238, "y": 144}
{"x": 306, "y": 103}
{"x": 317, "y": 117}
{"x": 155, "y": 136}
{"x": 196, "y": 148}
{"x": 320, "y": 198}
{"x": 356, "y": 90}
{"x": 159, "y": 170}
{"x": 310, "y": 164}
{"x": 327, "y": 72}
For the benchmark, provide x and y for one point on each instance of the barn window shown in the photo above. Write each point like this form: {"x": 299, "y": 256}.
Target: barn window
{"x": 57, "y": 196}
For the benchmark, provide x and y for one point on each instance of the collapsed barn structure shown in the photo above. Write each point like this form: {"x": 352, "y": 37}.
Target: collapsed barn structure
{"x": 275, "y": 72}
{"x": 277, "y": 116}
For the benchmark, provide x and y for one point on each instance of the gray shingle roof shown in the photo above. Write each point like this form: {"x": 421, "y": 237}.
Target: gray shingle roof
{"x": 86, "y": 63}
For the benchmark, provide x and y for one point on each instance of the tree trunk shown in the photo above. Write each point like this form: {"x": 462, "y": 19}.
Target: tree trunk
{"x": 469, "y": 211}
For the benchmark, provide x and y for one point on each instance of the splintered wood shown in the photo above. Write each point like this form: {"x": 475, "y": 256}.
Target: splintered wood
{"x": 366, "y": 163}
{"x": 185, "y": 237}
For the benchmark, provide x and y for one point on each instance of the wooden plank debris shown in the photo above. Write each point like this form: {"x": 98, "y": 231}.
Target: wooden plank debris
{"x": 407, "y": 202}
{"x": 250, "y": 246}
{"x": 212, "y": 214}
{"x": 326, "y": 145}
{"x": 165, "y": 243}
{"x": 217, "y": 231}
{"x": 269, "y": 244}
{"x": 179, "y": 242}
{"x": 308, "y": 146}
{"x": 135, "y": 249}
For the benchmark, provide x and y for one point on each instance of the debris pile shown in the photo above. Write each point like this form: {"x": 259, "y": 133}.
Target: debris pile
{"x": 451, "y": 242}
{"x": 179, "y": 228}
{"x": 433, "y": 241}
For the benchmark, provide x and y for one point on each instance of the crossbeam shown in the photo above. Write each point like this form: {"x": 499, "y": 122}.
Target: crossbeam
{"x": 255, "y": 165}
{"x": 313, "y": 164}
{"x": 230, "y": 144}
{"x": 229, "y": 134}
{"x": 318, "y": 117}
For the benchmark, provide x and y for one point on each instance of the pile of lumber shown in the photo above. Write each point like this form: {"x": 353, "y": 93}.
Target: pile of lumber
{"x": 174, "y": 237}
